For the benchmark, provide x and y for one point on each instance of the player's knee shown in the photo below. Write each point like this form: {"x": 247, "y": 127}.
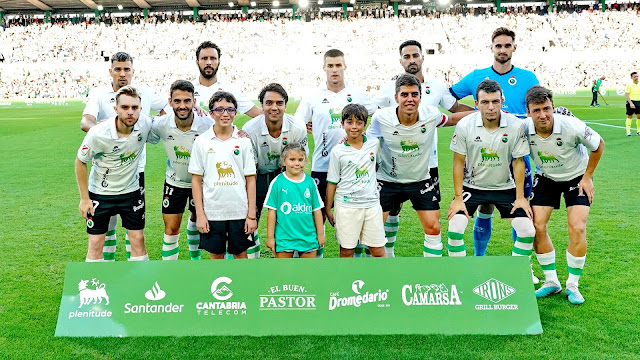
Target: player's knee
{"x": 578, "y": 227}
{"x": 432, "y": 228}
{"x": 172, "y": 229}
{"x": 540, "y": 226}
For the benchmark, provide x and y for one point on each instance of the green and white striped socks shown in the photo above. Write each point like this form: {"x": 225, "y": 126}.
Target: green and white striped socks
{"x": 254, "y": 251}
{"x": 547, "y": 263}
{"x": 391, "y": 232}
{"x": 170, "y": 247}
{"x": 525, "y": 232}
{"x": 110, "y": 241}
{"x": 432, "y": 246}
{"x": 127, "y": 246}
{"x": 575, "y": 265}
{"x": 455, "y": 235}
{"x": 193, "y": 238}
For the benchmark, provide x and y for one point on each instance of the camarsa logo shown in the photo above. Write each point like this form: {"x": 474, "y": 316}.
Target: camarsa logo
{"x": 434, "y": 294}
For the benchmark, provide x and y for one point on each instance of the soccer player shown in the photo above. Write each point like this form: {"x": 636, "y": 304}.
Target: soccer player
{"x": 595, "y": 89}
{"x": 114, "y": 147}
{"x": 514, "y": 83}
{"x": 352, "y": 177}
{"x": 177, "y": 131}
{"x": 434, "y": 93}
{"x": 566, "y": 152}
{"x": 208, "y": 57}
{"x": 484, "y": 145}
{"x": 100, "y": 106}
{"x": 223, "y": 173}
{"x": 269, "y": 134}
{"x": 632, "y": 93}
{"x": 406, "y": 145}
{"x": 324, "y": 109}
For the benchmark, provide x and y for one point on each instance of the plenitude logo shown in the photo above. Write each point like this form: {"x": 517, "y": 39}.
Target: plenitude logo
{"x": 154, "y": 294}
{"x": 221, "y": 291}
{"x": 380, "y": 296}
{"x": 288, "y": 297}
{"x": 91, "y": 295}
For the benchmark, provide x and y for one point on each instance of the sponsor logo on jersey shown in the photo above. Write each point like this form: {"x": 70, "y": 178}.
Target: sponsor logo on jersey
{"x": 336, "y": 119}
{"x": 181, "y": 152}
{"x": 225, "y": 170}
{"x": 409, "y": 146}
{"x": 125, "y": 159}
{"x": 489, "y": 154}
{"x": 434, "y": 294}
{"x": 300, "y": 208}
{"x": 287, "y": 297}
{"x": 546, "y": 157}
{"x": 361, "y": 171}
{"x": 264, "y": 144}
{"x": 494, "y": 291}
{"x": 91, "y": 295}
{"x": 272, "y": 157}
{"x": 221, "y": 291}
{"x": 359, "y": 298}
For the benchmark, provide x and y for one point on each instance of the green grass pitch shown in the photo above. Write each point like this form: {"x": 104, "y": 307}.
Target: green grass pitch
{"x": 41, "y": 231}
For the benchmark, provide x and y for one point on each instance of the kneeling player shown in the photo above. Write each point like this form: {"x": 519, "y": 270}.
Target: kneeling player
{"x": 223, "y": 179}
{"x": 114, "y": 147}
{"x": 178, "y": 131}
{"x": 566, "y": 152}
{"x": 484, "y": 144}
{"x": 352, "y": 177}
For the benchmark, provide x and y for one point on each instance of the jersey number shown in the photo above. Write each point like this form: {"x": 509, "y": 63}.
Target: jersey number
{"x": 168, "y": 191}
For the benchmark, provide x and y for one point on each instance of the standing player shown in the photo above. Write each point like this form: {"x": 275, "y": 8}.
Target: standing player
{"x": 484, "y": 145}
{"x": 566, "y": 152}
{"x": 434, "y": 93}
{"x": 177, "y": 131}
{"x": 406, "y": 145}
{"x": 632, "y": 93}
{"x": 514, "y": 82}
{"x": 100, "y": 106}
{"x": 208, "y": 57}
{"x": 114, "y": 147}
{"x": 324, "y": 109}
{"x": 595, "y": 89}
{"x": 269, "y": 134}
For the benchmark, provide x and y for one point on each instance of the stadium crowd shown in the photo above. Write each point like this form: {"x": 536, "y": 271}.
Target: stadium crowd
{"x": 566, "y": 49}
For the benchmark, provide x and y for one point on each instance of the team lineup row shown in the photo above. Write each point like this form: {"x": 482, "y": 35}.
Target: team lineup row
{"x": 227, "y": 179}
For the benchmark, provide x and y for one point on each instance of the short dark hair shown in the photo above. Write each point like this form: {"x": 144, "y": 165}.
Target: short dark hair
{"x": 182, "y": 85}
{"x": 634, "y": 73}
{"x": 128, "y": 91}
{"x": 410, "y": 43}
{"x": 488, "y": 86}
{"x": 355, "y": 110}
{"x": 222, "y": 95}
{"x": 537, "y": 95}
{"x": 275, "y": 87}
{"x": 207, "y": 45}
{"x": 121, "y": 56}
{"x": 503, "y": 31}
{"x": 408, "y": 80}
{"x": 333, "y": 53}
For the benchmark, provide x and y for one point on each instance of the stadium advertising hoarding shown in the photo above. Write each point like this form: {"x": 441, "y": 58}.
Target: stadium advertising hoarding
{"x": 489, "y": 295}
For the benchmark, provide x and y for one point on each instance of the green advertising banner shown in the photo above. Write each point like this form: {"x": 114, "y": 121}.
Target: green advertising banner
{"x": 472, "y": 295}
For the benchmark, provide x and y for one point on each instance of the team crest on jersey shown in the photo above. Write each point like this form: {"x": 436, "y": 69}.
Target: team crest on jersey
{"x": 423, "y": 128}
{"x": 349, "y": 99}
{"x": 237, "y": 150}
{"x": 165, "y": 202}
{"x": 427, "y": 90}
{"x": 284, "y": 141}
{"x": 512, "y": 81}
{"x": 559, "y": 141}
{"x": 372, "y": 157}
{"x": 139, "y": 137}
{"x": 90, "y": 223}
{"x": 504, "y": 138}
{"x": 307, "y": 193}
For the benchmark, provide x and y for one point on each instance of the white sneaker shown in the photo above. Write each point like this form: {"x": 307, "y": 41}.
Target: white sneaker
{"x": 574, "y": 294}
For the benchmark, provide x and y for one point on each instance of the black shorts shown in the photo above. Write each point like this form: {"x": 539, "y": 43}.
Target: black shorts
{"x": 226, "y": 236}
{"x": 502, "y": 199}
{"x": 141, "y": 183}
{"x": 424, "y": 195}
{"x": 262, "y": 187}
{"x": 175, "y": 199}
{"x": 129, "y": 206}
{"x": 433, "y": 172}
{"x": 320, "y": 179}
{"x": 631, "y": 111}
{"x": 546, "y": 192}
